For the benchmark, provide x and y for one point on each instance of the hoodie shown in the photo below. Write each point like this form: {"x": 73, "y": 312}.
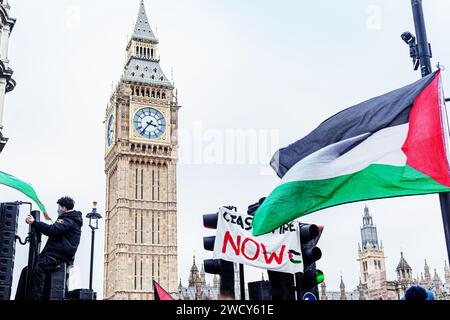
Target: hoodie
{"x": 63, "y": 236}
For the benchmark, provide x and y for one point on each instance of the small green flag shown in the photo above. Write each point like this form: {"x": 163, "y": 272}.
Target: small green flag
{"x": 25, "y": 188}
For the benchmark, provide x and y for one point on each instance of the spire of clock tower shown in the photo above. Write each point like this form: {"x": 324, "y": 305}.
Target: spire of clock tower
{"x": 142, "y": 65}
{"x": 142, "y": 29}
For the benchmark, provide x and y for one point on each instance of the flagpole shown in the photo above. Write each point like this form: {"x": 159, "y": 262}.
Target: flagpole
{"x": 424, "y": 56}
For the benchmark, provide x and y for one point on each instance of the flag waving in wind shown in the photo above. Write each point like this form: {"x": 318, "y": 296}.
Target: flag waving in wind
{"x": 25, "y": 188}
{"x": 160, "y": 293}
{"x": 393, "y": 145}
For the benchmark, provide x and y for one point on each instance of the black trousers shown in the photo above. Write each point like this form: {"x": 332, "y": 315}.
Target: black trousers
{"x": 44, "y": 265}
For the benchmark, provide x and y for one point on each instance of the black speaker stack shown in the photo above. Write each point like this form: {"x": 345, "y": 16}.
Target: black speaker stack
{"x": 9, "y": 214}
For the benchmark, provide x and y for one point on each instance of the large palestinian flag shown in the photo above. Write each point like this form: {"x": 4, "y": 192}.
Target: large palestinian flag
{"x": 392, "y": 145}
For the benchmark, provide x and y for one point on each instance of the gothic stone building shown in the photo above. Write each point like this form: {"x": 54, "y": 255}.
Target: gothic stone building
{"x": 7, "y": 83}
{"x": 373, "y": 283}
{"x": 140, "y": 166}
{"x": 197, "y": 288}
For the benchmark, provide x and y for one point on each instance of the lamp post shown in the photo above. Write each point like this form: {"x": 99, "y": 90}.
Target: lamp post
{"x": 93, "y": 217}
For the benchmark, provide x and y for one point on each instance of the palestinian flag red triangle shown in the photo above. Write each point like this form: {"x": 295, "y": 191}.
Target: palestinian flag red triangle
{"x": 160, "y": 293}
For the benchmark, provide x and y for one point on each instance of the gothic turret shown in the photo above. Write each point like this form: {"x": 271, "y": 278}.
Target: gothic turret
{"x": 323, "y": 291}
{"x": 437, "y": 283}
{"x": 342, "y": 289}
{"x": 361, "y": 289}
{"x": 216, "y": 282}
{"x": 404, "y": 271}
{"x": 427, "y": 273}
{"x": 369, "y": 235}
{"x": 202, "y": 276}
{"x": 447, "y": 273}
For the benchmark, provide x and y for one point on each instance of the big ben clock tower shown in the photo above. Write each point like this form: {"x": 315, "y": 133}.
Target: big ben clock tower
{"x": 140, "y": 165}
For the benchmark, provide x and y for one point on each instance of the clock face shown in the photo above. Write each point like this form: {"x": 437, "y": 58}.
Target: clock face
{"x": 110, "y": 135}
{"x": 149, "y": 123}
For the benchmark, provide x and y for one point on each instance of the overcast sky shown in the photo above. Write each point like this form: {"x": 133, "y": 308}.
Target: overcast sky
{"x": 275, "y": 69}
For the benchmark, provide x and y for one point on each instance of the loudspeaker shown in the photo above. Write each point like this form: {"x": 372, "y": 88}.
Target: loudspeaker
{"x": 6, "y": 271}
{"x": 7, "y": 244}
{"x": 259, "y": 290}
{"x": 5, "y": 293}
{"x": 82, "y": 294}
{"x": 9, "y": 215}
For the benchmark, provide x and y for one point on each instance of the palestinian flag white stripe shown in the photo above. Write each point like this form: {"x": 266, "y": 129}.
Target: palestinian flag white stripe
{"x": 402, "y": 152}
{"x": 383, "y": 147}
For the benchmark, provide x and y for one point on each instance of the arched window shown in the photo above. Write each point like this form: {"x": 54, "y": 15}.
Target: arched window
{"x": 143, "y": 92}
{"x": 158, "y": 94}
{"x": 133, "y": 147}
{"x": 137, "y": 91}
{"x": 163, "y": 95}
{"x": 153, "y": 93}
{"x": 151, "y": 52}
{"x": 137, "y": 50}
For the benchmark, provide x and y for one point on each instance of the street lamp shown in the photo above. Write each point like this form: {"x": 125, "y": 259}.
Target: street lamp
{"x": 93, "y": 217}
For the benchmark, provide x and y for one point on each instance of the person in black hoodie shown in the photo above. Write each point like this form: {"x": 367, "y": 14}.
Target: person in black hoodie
{"x": 62, "y": 244}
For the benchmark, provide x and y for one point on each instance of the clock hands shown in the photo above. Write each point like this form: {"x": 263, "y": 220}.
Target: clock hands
{"x": 148, "y": 125}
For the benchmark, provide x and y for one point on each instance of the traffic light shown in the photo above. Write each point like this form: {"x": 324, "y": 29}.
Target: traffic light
{"x": 252, "y": 208}
{"x": 224, "y": 269}
{"x": 308, "y": 281}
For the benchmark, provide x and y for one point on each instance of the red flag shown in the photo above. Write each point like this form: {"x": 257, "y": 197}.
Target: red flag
{"x": 160, "y": 293}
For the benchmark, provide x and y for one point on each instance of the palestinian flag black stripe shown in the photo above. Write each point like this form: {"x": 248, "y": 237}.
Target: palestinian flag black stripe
{"x": 385, "y": 111}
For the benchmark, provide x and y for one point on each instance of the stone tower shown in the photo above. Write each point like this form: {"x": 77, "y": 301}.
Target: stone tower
{"x": 404, "y": 271}
{"x": 140, "y": 166}
{"x": 371, "y": 259}
{"x": 7, "y": 83}
{"x": 361, "y": 289}
{"x": 447, "y": 273}
{"x": 343, "y": 296}
{"x": 404, "y": 275}
{"x": 426, "y": 269}
{"x": 437, "y": 284}
{"x": 323, "y": 291}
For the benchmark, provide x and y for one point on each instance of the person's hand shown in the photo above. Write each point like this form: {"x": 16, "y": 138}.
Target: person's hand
{"x": 29, "y": 219}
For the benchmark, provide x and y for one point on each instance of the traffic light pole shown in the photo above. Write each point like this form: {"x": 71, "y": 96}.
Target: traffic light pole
{"x": 242, "y": 281}
{"x": 424, "y": 55}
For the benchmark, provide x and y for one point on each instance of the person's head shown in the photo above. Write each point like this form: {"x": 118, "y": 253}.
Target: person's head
{"x": 65, "y": 204}
{"x": 416, "y": 293}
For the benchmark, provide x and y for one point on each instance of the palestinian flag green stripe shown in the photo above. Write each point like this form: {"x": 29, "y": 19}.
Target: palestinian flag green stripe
{"x": 25, "y": 188}
{"x": 377, "y": 181}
